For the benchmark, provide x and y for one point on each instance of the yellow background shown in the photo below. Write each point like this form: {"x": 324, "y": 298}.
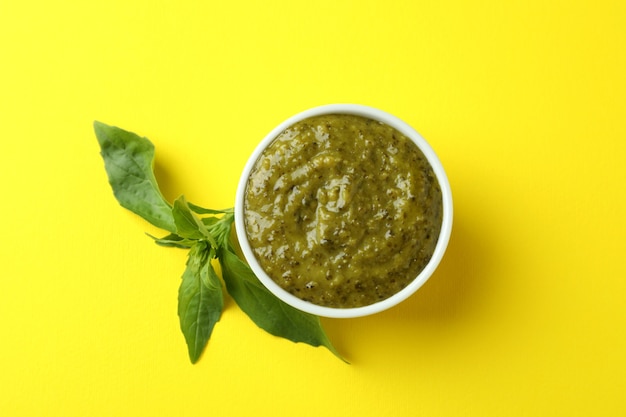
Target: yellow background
{"x": 524, "y": 102}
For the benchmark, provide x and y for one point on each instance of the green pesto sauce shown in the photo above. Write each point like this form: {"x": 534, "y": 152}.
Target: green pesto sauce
{"x": 342, "y": 211}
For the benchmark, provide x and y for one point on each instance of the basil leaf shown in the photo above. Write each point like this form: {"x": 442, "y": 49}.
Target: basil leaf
{"x": 202, "y": 210}
{"x": 200, "y": 300}
{"x": 173, "y": 241}
{"x": 210, "y": 221}
{"x": 268, "y": 312}
{"x": 188, "y": 225}
{"x": 128, "y": 161}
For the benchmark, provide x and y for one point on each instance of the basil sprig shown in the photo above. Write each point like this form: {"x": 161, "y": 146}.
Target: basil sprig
{"x": 207, "y": 234}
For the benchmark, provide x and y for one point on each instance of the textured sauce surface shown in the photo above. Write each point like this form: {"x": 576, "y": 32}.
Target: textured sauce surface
{"x": 342, "y": 211}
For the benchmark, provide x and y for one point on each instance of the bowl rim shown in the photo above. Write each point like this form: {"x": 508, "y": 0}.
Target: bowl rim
{"x": 415, "y": 284}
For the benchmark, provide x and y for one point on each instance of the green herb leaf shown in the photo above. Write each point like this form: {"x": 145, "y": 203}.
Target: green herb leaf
{"x": 188, "y": 225}
{"x": 129, "y": 160}
{"x": 200, "y": 300}
{"x": 268, "y": 312}
{"x": 173, "y": 241}
{"x": 202, "y": 210}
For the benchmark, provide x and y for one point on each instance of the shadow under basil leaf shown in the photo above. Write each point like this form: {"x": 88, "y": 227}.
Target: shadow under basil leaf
{"x": 166, "y": 181}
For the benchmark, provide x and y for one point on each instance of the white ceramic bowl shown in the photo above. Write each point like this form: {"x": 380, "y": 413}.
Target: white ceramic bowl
{"x": 423, "y": 276}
